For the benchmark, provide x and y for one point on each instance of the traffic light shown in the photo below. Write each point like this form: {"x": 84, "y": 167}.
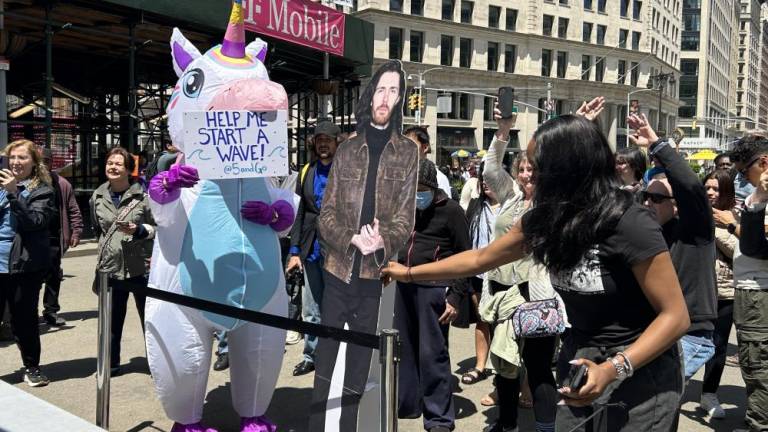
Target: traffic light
{"x": 422, "y": 104}
{"x": 413, "y": 101}
{"x": 693, "y": 124}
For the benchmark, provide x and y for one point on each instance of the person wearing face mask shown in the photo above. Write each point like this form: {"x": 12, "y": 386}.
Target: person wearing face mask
{"x": 424, "y": 310}
{"x": 26, "y": 209}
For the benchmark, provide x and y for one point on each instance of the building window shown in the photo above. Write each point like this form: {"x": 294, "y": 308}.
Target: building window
{"x": 600, "y": 69}
{"x": 601, "y": 29}
{"x": 446, "y": 50}
{"x": 634, "y": 73}
{"x": 586, "y": 32}
{"x": 562, "y": 28}
{"x": 564, "y": 2}
{"x": 547, "y": 25}
{"x": 511, "y": 19}
{"x": 601, "y": 6}
{"x": 691, "y": 22}
{"x": 494, "y": 15}
{"x": 464, "y": 106}
{"x": 588, "y": 4}
{"x": 417, "y": 46}
{"x": 488, "y": 104}
{"x": 466, "y": 11}
{"x": 510, "y": 58}
{"x": 448, "y": 6}
{"x": 465, "y": 52}
{"x": 624, "y": 8}
{"x": 622, "y": 70}
{"x": 395, "y": 43}
{"x": 562, "y": 63}
{"x": 623, "y": 36}
{"x": 637, "y": 8}
{"x": 546, "y": 62}
{"x": 635, "y": 40}
{"x": 396, "y": 5}
{"x": 690, "y": 42}
{"x": 586, "y": 67}
{"x": 493, "y": 56}
{"x": 417, "y": 7}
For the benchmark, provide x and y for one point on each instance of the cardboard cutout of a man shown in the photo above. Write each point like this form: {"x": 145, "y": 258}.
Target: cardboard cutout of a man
{"x": 367, "y": 215}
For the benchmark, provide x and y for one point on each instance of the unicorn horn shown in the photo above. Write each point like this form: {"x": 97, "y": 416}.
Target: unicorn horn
{"x": 234, "y": 39}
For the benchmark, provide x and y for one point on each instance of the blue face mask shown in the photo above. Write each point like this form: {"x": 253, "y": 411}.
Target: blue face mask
{"x": 424, "y": 199}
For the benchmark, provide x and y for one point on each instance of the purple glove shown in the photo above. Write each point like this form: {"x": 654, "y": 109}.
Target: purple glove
{"x": 257, "y": 212}
{"x": 181, "y": 176}
{"x": 285, "y": 215}
{"x": 166, "y": 186}
{"x": 264, "y": 214}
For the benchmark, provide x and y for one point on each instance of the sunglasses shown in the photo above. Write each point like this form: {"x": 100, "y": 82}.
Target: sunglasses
{"x": 654, "y": 197}
{"x": 746, "y": 168}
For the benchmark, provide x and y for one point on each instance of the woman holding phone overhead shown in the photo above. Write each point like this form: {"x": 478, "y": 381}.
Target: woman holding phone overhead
{"x": 26, "y": 207}
{"x": 124, "y": 225}
{"x": 609, "y": 263}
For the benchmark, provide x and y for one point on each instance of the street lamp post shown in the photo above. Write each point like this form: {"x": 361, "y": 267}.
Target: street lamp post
{"x": 660, "y": 80}
{"x": 421, "y": 83}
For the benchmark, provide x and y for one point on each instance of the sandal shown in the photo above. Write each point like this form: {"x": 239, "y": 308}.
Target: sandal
{"x": 473, "y": 376}
{"x": 491, "y": 399}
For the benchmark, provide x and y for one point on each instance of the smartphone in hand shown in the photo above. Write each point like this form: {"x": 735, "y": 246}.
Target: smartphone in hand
{"x": 506, "y": 101}
{"x": 577, "y": 377}
{"x": 3, "y": 163}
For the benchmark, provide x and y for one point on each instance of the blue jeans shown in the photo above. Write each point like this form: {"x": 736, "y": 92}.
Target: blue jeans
{"x": 311, "y": 297}
{"x": 697, "y": 350}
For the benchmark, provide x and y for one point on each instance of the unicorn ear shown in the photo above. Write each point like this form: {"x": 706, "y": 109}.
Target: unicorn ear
{"x": 257, "y": 49}
{"x": 182, "y": 51}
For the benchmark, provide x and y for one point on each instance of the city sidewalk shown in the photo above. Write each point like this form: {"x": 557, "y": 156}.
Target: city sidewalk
{"x": 69, "y": 359}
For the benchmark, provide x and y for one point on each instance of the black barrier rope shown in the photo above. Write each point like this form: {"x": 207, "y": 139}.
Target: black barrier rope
{"x": 602, "y": 407}
{"x": 341, "y": 335}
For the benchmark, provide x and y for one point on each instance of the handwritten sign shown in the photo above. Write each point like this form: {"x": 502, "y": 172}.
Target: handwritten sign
{"x": 237, "y": 144}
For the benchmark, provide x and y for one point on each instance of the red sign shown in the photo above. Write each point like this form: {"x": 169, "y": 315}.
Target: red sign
{"x": 299, "y": 21}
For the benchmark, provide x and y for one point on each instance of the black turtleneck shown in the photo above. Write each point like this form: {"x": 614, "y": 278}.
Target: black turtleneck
{"x": 376, "y": 139}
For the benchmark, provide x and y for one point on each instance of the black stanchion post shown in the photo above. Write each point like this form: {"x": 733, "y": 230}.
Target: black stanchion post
{"x": 389, "y": 357}
{"x": 103, "y": 359}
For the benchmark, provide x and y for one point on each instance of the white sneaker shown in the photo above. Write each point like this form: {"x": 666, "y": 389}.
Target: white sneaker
{"x": 711, "y": 405}
{"x": 292, "y": 338}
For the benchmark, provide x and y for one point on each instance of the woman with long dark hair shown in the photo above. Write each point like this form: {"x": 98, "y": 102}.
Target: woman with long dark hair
{"x": 609, "y": 263}
{"x": 722, "y": 196}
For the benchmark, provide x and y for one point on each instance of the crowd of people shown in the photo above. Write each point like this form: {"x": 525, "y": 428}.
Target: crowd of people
{"x": 645, "y": 264}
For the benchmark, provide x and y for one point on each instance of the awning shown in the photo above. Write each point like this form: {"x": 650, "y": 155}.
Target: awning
{"x": 91, "y": 43}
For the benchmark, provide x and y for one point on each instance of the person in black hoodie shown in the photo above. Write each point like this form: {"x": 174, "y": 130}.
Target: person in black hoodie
{"x": 424, "y": 310}
{"x": 682, "y": 208}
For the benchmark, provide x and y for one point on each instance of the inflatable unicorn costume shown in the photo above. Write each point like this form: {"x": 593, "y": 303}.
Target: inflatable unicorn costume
{"x": 217, "y": 240}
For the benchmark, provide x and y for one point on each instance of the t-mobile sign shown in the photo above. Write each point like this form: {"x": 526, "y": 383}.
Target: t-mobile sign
{"x": 299, "y": 21}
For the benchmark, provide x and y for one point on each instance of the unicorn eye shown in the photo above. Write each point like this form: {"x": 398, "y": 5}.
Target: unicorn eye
{"x": 193, "y": 83}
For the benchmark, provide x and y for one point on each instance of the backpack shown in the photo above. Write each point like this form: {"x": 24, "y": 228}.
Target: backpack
{"x": 151, "y": 170}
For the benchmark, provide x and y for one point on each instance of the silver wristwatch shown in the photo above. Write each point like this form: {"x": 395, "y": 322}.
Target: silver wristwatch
{"x": 623, "y": 369}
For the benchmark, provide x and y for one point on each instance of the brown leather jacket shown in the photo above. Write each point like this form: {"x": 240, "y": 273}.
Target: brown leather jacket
{"x": 342, "y": 204}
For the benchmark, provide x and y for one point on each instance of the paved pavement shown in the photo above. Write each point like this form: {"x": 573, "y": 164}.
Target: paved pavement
{"x": 69, "y": 359}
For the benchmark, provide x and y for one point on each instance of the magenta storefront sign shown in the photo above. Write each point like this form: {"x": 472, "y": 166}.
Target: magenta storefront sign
{"x": 299, "y": 21}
